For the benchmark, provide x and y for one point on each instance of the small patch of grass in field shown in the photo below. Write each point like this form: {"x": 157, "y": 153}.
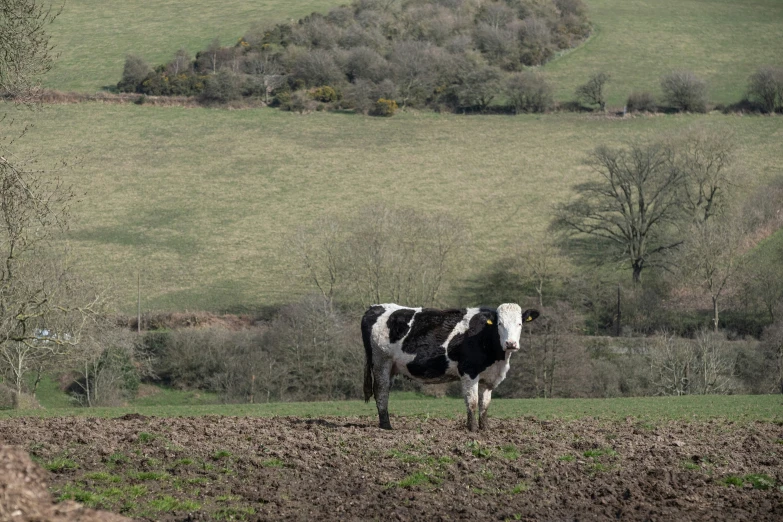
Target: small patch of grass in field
{"x": 600, "y": 452}
{"x": 689, "y": 465}
{"x": 273, "y": 463}
{"x": 221, "y": 454}
{"x": 88, "y": 498}
{"x": 169, "y": 503}
{"x": 757, "y": 480}
{"x": 419, "y": 478}
{"x": 479, "y": 450}
{"x": 232, "y": 513}
{"x": 509, "y": 452}
{"x": 760, "y": 481}
{"x": 519, "y": 488}
{"x": 182, "y": 462}
{"x": 117, "y": 458}
{"x": 146, "y": 438}
{"x": 103, "y": 476}
{"x": 60, "y": 464}
{"x": 566, "y": 458}
{"x": 148, "y": 475}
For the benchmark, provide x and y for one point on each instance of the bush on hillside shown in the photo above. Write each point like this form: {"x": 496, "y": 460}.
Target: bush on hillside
{"x": 592, "y": 92}
{"x": 684, "y": 91}
{"x": 765, "y": 87}
{"x": 642, "y": 101}
{"x": 384, "y": 107}
{"x": 529, "y": 92}
{"x": 134, "y": 72}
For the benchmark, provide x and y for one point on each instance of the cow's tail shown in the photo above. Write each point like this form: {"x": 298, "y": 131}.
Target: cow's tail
{"x": 366, "y": 338}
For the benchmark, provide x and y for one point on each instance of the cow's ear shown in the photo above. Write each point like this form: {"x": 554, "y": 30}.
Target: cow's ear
{"x": 480, "y": 321}
{"x": 529, "y": 315}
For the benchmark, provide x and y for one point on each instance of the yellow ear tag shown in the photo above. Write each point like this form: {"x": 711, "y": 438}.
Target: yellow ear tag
{"x": 489, "y": 321}
{"x": 528, "y": 319}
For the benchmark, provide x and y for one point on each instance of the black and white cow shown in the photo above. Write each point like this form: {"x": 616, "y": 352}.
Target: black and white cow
{"x": 471, "y": 345}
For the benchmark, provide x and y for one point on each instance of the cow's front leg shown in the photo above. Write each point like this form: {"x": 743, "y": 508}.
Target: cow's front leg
{"x": 381, "y": 384}
{"x": 471, "y": 394}
{"x": 485, "y": 395}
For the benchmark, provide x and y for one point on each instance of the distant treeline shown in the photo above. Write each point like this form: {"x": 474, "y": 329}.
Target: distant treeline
{"x": 442, "y": 54}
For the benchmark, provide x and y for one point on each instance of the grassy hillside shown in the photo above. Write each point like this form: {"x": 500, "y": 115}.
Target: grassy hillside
{"x": 741, "y": 408}
{"x": 93, "y": 37}
{"x": 635, "y": 40}
{"x": 202, "y": 201}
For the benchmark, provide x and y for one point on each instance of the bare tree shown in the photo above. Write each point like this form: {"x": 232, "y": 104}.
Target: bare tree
{"x": 383, "y": 254}
{"x": 25, "y": 51}
{"x": 684, "y": 91}
{"x": 705, "y": 157}
{"x": 43, "y": 306}
{"x": 671, "y": 361}
{"x": 631, "y": 209}
{"x": 540, "y": 263}
{"x": 712, "y": 258}
{"x": 714, "y": 368}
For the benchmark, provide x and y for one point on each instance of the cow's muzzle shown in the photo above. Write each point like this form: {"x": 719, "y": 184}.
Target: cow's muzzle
{"x": 511, "y": 345}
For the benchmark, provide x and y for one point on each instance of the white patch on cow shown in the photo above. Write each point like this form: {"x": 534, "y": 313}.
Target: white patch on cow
{"x": 380, "y": 338}
{"x": 509, "y": 324}
{"x": 495, "y": 374}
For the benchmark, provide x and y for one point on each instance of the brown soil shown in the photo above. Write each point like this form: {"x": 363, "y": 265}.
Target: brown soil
{"x": 24, "y": 496}
{"x": 427, "y": 469}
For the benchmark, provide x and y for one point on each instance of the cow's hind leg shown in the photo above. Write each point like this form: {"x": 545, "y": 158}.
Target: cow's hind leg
{"x": 485, "y": 395}
{"x": 471, "y": 394}
{"x": 381, "y": 385}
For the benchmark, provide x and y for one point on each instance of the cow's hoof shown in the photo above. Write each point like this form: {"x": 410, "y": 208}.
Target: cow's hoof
{"x": 386, "y": 427}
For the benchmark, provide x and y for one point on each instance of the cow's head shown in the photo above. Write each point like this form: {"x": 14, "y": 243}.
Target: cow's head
{"x": 510, "y": 320}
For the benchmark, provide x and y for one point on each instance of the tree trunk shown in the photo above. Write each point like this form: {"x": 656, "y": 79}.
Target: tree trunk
{"x": 715, "y": 313}
{"x": 637, "y": 272}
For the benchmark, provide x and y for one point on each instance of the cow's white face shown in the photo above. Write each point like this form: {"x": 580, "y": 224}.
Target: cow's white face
{"x": 510, "y": 319}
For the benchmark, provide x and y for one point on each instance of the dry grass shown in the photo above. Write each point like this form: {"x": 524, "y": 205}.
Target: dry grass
{"x": 202, "y": 201}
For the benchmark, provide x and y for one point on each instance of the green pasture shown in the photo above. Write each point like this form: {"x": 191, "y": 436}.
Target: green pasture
{"x": 637, "y": 41}
{"x": 93, "y": 37}
{"x": 745, "y": 408}
{"x": 202, "y": 202}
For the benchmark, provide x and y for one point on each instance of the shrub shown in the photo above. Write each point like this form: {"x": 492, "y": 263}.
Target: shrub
{"x": 529, "y": 92}
{"x": 684, "y": 91}
{"x": 134, "y": 72}
{"x": 641, "y": 102}
{"x": 324, "y": 94}
{"x": 223, "y": 87}
{"x": 384, "y": 107}
{"x": 765, "y": 87}
{"x": 592, "y": 92}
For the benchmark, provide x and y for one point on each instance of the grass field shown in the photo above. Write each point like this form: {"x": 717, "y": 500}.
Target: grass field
{"x": 722, "y": 41}
{"x": 656, "y": 409}
{"x": 202, "y": 201}
{"x": 93, "y": 37}
{"x": 636, "y": 40}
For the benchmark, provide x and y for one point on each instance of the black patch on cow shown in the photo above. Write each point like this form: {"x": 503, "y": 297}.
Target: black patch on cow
{"x": 398, "y": 324}
{"x": 479, "y": 347}
{"x": 429, "y": 331}
{"x": 430, "y": 368}
{"x": 368, "y": 321}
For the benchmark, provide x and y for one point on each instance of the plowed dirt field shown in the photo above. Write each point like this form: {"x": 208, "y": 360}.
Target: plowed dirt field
{"x": 332, "y": 468}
